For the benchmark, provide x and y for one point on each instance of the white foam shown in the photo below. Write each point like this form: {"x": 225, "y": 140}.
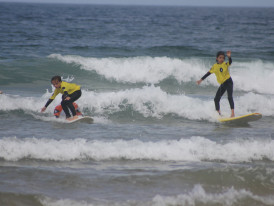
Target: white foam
{"x": 248, "y": 76}
{"x": 254, "y": 76}
{"x": 195, "y": 149}
{"x": 139, "y": 69}
{"x": 198, "y": 195}
{"x": 150, "y": 101}
{"x": 16, "y": 102}
{"x": 251, "y": 102}
{"x": 63, "y": 202}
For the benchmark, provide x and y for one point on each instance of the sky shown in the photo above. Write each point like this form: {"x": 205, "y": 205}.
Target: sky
{"x": 240, "y": 3}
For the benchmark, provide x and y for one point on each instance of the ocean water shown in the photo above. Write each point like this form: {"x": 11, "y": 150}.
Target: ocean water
{"x": 156, "y": 140}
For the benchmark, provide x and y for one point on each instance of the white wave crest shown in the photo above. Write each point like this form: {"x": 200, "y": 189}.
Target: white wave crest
{"x": 138, "y": 69}
{"x": 197, "y": 196}
{"x": 150, "y": 101}
{"x": 193, "y": 149}
{"x": 248, "y": 76}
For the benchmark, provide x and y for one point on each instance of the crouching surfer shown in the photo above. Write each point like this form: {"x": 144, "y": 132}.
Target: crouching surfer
{"x": 70, "y": 93}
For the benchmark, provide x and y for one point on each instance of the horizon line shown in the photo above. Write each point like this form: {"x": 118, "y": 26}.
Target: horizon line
{"x": 134, "y": 4}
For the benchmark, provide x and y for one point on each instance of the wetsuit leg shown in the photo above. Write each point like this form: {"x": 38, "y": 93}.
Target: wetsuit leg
{"x": 68, "y": 104}
{"x": 226, "y": 86}
{"x": 218, "y": 96}
{"x": 65, "y": 106}
{"x": 230, "y": 93}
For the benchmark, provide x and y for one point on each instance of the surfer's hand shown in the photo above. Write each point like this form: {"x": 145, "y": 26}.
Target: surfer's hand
{"x": 67, "y": 98}
{"x": 43, "y": 109}
{"x": 199, "y": 81}
{"x": 228, "y": 54}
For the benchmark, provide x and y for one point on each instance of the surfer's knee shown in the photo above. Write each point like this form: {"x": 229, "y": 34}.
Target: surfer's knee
{"x": 217, "y": 99}
{"x": 230, "y": 99}
{"x": 65, "y": 103}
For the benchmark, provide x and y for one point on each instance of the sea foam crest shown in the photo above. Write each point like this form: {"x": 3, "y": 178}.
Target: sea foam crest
{"x": 193, "y": 149}
{"x": 197, "y": 196}
{"x": 139, "y": 69}
{"x": 248, "y": 76}
{"x": 150, "y": 101}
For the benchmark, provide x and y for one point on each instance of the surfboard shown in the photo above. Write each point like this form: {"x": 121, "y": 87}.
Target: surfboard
{"x": 84, "y": 119}
{"x": 244, "y": 119}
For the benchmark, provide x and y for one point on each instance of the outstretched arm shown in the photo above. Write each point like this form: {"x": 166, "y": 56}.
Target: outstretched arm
{"x": 47, "y": 104}
{"x": 203, "y": 78}
{"x": 228, "y": 54}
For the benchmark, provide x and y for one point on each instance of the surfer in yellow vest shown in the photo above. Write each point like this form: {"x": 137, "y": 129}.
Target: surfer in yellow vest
{"x": 220, "y": 69}
{"x": 71, "y": 92}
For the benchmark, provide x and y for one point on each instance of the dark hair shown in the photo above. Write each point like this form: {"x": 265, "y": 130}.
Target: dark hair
{"x": 219, "y": 53}
{"x": 56, "y": 78}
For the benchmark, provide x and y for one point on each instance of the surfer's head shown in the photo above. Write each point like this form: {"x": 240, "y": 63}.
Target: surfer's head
{"x": 56, "y": 81}
{"x": 220, "y": 57}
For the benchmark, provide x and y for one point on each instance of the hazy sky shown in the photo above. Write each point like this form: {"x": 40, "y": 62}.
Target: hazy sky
{"x": 245, "y": 3}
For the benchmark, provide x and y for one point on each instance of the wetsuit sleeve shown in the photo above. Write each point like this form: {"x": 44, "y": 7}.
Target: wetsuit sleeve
{"x": 229, "y": 61}
{"x": 48, "y": 102}
{"x": 206, "y": 75}
{"x": 56, "y": 92}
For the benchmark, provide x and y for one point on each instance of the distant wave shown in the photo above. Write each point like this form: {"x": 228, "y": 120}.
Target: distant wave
{"x": 193, "y": 149}
{"x": 255, "y": 76}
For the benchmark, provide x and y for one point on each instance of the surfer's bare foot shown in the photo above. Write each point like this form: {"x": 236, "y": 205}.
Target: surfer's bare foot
{"x": 232, "y": 113}
{"x": 73, "y": 118}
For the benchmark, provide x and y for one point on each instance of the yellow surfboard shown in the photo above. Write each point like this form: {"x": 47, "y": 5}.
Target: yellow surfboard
{"x": 242, "y": 119}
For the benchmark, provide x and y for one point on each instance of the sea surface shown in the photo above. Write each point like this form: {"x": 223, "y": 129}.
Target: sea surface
{"x": 156, "y": 139}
